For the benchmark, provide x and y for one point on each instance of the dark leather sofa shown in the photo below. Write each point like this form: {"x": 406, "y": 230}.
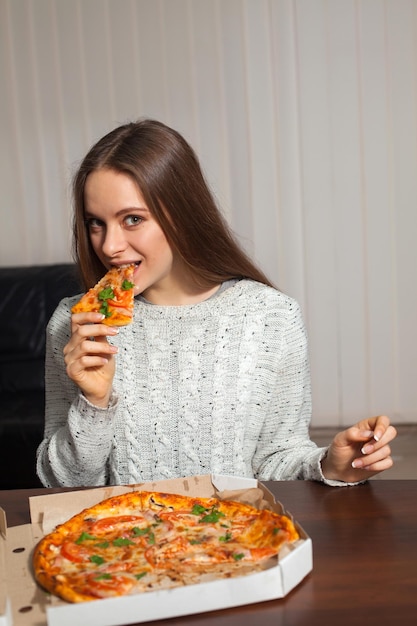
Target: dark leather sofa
{"x": 28, "y": 297}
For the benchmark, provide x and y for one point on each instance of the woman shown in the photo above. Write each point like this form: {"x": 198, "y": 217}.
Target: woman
{"x": 212, "y": 375}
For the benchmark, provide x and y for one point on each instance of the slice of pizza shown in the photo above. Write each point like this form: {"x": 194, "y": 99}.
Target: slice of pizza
{"x": 112, "y": 296}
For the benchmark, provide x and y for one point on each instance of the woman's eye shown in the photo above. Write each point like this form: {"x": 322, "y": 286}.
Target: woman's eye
{"x": 93, "y": 224}
{"x": 133, "y": 220}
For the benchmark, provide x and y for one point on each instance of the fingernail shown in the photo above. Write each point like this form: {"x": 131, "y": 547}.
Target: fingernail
{"x": 367, "y": 449}
{"x": 356, "y": 464}
{"x": 376, "y": 437}
{"x": 367, "y": 434}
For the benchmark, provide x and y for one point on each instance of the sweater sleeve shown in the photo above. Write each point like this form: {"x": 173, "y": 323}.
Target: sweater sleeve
{"x": 78, "y": 436}
{"x": 285, "y": 450}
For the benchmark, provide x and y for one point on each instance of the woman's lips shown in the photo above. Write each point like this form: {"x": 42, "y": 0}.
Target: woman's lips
{"x": 135, "y": 274}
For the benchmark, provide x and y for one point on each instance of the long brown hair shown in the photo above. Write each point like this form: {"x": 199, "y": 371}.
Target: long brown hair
{"x": 169, "y": 176}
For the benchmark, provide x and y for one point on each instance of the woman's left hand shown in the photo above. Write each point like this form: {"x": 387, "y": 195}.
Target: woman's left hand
{"x": 361, "y": 451}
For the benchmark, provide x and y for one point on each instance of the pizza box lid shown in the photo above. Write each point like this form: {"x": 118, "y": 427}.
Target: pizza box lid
{"x": 26, "y": 604}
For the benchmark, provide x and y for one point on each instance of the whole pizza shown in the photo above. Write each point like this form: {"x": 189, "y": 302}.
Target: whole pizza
{"x": 143, "y": 541}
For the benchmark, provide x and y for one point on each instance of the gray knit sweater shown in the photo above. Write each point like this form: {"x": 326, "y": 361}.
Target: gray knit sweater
{"x": 222, "y": 386}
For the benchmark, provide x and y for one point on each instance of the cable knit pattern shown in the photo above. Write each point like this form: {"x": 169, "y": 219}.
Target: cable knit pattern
{"x": 222, "y": 386}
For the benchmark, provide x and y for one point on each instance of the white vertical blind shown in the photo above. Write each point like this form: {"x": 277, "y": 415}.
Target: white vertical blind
{"x": 304, "y": 115}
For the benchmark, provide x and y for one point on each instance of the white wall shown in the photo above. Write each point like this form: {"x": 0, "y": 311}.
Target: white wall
{"x": 304, "y": 114}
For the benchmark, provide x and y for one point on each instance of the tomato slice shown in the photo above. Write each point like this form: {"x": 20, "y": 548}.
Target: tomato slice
{"x": 105, "y": 587}
{"x": 258, "y": 554}
{"x": 122, "y": 299}
{"x": 74, "y": 552}
{"x": 107, "y": 524}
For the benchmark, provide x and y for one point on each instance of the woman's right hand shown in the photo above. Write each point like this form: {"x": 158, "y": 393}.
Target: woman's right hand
{"x": 89, "y": 357}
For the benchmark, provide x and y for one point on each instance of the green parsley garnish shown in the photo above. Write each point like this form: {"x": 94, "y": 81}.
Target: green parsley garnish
{"x": 84, "y": 537}
{"x": 104, "y": 544}
{"x": 226, "y": 537}
{"x": 122, "y": 541}
{"x": 106, "y": 294}
{"x": 141, "y": 575}
{"x": 104, "y": 576}
{"x": 209, "y": 516}
{"x": 212, "y": 517}
{"x": 137, "y": 532}
{"x": 104, "y": 309}
{"x": 98, "y": 560}
{"x": 198, "y": 509}
{"x": 238, "y": 556}
{"x": 126, "y": 285}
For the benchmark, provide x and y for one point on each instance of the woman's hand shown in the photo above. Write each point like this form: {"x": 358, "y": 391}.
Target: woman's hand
{"x": 361, "y": 451}
{"x": 90, "y": 358}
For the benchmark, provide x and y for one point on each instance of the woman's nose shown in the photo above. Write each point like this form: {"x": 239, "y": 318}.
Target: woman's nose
{"x": 114, "y": 242}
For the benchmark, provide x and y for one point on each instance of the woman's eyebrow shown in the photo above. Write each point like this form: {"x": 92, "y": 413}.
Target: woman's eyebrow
{"x": 125, "y": 211}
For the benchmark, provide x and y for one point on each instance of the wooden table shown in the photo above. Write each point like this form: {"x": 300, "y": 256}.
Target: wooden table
{"x": 365, "y": 557}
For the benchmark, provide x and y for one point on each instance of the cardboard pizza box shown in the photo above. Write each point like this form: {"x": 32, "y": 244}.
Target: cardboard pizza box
{"x": 5, "y": 608}
{"x": 24, "y": 603}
